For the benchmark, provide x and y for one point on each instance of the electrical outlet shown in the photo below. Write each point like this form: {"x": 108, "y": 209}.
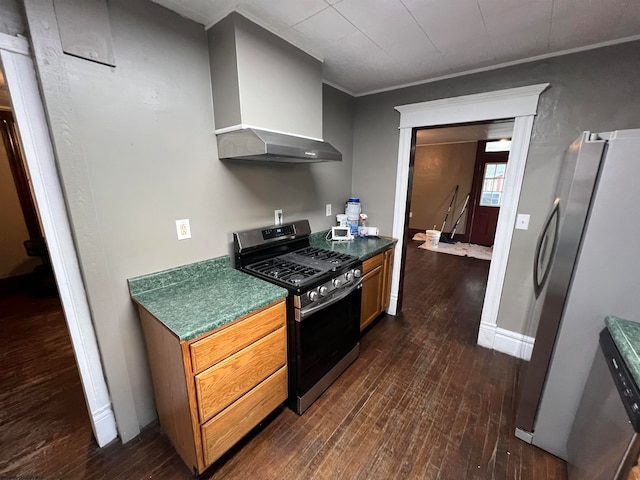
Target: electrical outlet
{"x": 522, "y": 221}
{"x": 328, "y": 210}
{"x": 277, "y": 214}
{"x": 183, "y": 228}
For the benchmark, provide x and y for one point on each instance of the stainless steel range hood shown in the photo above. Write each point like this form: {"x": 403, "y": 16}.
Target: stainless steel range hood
{"x": 261, "y": 145}
{"x": 267, "y": 96}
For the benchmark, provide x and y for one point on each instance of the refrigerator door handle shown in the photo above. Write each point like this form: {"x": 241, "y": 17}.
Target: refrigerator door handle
{"x": 541, "y": 248}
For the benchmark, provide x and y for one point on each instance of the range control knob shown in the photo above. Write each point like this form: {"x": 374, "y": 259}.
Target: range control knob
{"x": 357, "y": 273}
{"x": 348, "y": 276}
{"x": 313, "y": 295}
{"x": 323, "y": 291}
{"x": 635, "y": 408}
{"x": 337, "y": 282}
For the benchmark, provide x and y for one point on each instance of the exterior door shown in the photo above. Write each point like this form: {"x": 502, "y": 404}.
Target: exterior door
{"x": 486, "y": 194}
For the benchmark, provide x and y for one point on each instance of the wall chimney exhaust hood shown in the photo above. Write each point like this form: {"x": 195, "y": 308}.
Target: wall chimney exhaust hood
{"x": 262, "y": 87}
{"x": 254, "y": 144}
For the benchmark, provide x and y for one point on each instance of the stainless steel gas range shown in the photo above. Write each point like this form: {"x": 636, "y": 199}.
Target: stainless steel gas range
{"x": 323, "y": 306}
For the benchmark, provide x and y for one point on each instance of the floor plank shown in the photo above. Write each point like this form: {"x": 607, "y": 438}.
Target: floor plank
{"x": 422, "y": 401}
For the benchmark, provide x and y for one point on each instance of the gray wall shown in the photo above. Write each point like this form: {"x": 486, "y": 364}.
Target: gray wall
{"x": 596, "y": 90}
{"x": 437, "y": 170}
{"x": 12, "y": 19}
{"x": 136, "y": 152}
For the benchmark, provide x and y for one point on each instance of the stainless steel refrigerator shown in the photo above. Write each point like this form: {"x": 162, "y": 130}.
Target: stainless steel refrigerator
{"x": 586, "y": 266}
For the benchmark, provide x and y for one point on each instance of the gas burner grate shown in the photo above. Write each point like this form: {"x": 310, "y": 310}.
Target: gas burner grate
{"x": 334, "y": 258}
{"x": 284, "y": 271}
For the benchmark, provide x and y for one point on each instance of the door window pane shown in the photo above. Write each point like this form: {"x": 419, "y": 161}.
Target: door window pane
{"x": 498, "y": 146}
{"x": 491, "y": 195}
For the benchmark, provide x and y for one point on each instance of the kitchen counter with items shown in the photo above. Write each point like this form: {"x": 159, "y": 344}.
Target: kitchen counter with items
{"x": 194, "y": 299}
{"x": 362, "y": 247}
{"x": 626, "y": 336}
{"x": 376, "y": 254}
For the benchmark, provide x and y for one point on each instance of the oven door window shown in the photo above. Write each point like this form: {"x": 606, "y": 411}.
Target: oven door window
{"x": 325, "y": 337}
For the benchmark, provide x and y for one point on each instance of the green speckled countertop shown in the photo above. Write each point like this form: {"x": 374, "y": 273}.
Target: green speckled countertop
{"x": 626, "y": 336}
{"x": 360, "y": 247}
{"x": 194, "y": 299}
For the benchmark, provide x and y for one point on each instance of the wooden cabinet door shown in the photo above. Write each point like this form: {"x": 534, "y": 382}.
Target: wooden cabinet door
{"x": 388, "y": 270}
{"x": 372, "y": 284}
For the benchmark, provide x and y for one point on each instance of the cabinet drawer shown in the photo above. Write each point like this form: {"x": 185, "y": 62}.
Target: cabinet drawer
{"x": 222, "y": 384}
{"x": 220, "y": 345}
{"x": 371, "y": 263}
{"x": 225, "y": 429}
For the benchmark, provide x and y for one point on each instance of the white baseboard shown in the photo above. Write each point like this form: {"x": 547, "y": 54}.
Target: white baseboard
{"x": 505, "y": 341}
{"x": 524, "y": 436}
{"x": 393, "y": 305}
{"x": 104, "y": 425}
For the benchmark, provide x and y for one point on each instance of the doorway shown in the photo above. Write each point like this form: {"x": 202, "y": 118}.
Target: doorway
{"x": 28, "y": 110}
{"x": 24, "y": 258}
{"x": 519, "y": 103}
{"x": 39, "y": 381}
{"x": 442, "y": 176}
{"x": 489, "y": 177}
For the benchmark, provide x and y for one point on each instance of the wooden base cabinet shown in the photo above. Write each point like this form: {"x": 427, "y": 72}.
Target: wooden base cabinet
{"x": 212, "y": 390}
{"x": 376, "y": 286}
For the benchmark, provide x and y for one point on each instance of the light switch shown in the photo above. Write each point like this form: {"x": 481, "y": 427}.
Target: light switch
{"x": 522, "y": 221}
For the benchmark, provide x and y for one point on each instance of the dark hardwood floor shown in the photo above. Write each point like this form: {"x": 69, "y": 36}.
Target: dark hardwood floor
{"x": 44, "y": 424}
{"x": 422, "y": 401}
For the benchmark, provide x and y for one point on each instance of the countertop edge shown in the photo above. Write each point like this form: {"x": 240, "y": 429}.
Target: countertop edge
{"x": 626, "y": 336}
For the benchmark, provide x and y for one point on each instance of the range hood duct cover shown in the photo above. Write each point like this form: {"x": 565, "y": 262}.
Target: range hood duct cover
{"x": 262, "y": 145}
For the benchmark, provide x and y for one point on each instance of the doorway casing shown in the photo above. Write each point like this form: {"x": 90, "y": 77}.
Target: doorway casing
{"x": 519, "y": 103}
{"x": 30, "y": 118}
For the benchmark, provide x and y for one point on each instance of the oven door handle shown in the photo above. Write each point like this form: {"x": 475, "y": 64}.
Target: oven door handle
{"x": 306, "y": 312}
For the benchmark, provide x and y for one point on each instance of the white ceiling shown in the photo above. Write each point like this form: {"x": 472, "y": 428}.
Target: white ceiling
{"x": 373, "y": 45}
{"x": 465, "y": 133}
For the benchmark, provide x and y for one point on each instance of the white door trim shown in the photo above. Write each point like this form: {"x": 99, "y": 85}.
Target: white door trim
{"x": 14, "y": 44}
{"x": 34, "y": 133}
{"x": 520, "y": 103}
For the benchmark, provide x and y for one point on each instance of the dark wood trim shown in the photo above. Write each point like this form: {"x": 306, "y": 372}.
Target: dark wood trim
{"x": 12, "y": 145}
{"x": 407, "y": 210}
{"x": 474, "y": 194}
